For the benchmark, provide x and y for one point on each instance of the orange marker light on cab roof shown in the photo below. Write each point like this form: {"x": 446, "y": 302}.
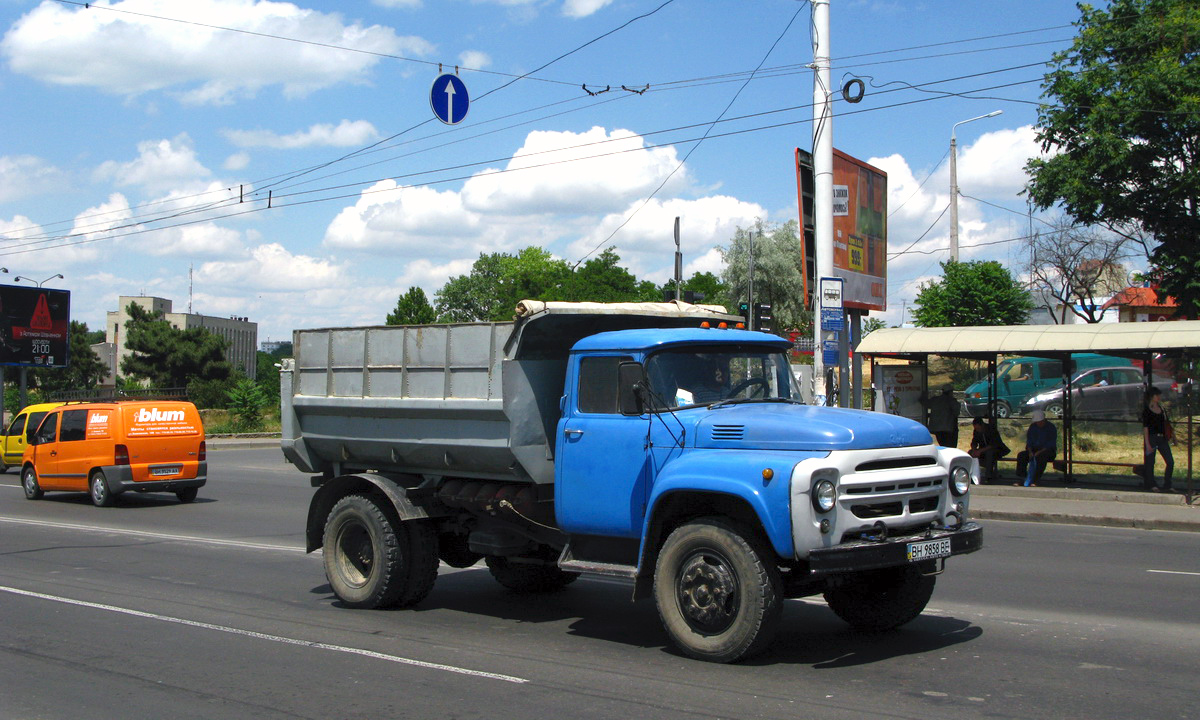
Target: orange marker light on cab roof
{"x": 740, "y": 326}
{"x": 723, "y": 325}
{"x": 705, "y": 324}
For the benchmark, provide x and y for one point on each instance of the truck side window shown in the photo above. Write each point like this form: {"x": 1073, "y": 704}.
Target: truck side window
{"x": 1050, "y": 370}
{"x": 74, "y": 425}
{"x": 598, "y": 384}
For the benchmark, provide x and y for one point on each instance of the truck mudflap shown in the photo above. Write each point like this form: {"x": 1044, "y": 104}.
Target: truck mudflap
{"x": 858, "y": 555}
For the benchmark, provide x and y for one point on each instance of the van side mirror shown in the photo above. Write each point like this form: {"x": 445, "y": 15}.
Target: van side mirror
{"x": 631, "y": 388}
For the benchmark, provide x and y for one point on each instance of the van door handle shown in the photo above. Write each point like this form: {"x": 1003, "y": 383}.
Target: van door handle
{"x": 571, "y": 432}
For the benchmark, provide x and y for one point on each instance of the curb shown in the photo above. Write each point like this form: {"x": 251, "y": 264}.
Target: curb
{"x": 1091, "y": 520}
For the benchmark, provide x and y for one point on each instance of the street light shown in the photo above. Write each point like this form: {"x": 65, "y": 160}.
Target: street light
{"x": 954, "y": 182}
{"x": 39, "y": 284}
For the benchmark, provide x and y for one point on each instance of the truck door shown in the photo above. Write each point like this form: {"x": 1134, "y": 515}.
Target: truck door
{"x": 603, "y": 476}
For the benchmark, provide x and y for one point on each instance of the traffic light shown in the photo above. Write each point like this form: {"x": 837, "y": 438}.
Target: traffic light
{"x": 762, "y": 317}
{"x": 744, "y": 311}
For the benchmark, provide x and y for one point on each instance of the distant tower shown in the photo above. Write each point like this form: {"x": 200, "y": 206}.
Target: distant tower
{"x": 189, "y": 288}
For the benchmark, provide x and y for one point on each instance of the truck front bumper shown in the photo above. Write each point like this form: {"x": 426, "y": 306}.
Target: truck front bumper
{"x": 859, "y": 555}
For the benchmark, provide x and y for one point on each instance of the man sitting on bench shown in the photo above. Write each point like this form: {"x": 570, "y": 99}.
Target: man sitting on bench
{"x": 1041, "y": 445}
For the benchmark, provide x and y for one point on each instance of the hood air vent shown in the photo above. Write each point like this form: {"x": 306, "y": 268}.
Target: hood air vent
{"x": 728, "y": 432}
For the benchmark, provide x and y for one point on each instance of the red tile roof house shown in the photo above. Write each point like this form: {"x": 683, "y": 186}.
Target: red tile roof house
{"x": 1140, "y": 304}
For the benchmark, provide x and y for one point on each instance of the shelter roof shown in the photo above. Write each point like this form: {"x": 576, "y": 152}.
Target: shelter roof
{"x": 1039, "y": 340}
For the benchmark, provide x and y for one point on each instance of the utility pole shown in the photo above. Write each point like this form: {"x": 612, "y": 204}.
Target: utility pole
{"x": 954, "y": 181}
{"x": 822, "y": 181}
{"x": 750, "y": 289}
{"x": 678, "y": 265}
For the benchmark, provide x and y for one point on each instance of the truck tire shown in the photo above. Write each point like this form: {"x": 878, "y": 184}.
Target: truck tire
{"x": 372, "y": 560}
{"x": 529, "y": 577}
{"x": 101, "y": 494}
{"x": 187, "y": 495}
{"x": 29, "y": 483}
{"x": 718, "y": 591}
{"x": 881, "y": 599}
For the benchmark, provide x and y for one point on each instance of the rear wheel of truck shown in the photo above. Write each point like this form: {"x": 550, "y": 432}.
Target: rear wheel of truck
{"x": 372, "y": 560}
{"x": 881, "y": 599}
{"x": 718, "y": 591}
{"x": 529, "y": 577}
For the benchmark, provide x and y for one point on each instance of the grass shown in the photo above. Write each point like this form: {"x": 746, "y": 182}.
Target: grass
{"x": 222, "y": 422}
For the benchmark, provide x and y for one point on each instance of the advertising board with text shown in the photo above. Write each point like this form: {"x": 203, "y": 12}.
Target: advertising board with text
{"x": 898, "y": 390}
{"x": 33, "y": 326}
{"x": 859, "y": 228}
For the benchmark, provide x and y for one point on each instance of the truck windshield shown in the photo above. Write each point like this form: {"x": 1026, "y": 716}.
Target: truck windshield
{"x": 702, "y": 376}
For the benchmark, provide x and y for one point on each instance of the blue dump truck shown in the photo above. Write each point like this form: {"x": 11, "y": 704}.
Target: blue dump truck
{"x": 650, "y": 442}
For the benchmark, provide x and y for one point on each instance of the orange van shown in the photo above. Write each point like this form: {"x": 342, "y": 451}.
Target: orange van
{"x": 109, "y": 448}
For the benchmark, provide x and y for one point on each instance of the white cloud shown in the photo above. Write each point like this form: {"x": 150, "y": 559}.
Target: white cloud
{"x": 130, "y": 54}
{"x": 161, "y": 165}
{"x": 583, "y": 8}
{"x": 475, "y": 59}
{"x": 995, "y": 163}
{"x": 271, "y": 267}
{"x": 411, "y": 220}
{"x": 237, "y": 161}
{"x": 620, "y": 168}
{"x": 347, "y": 133}
{"x": 397, "y": 3}
{"x": 24, "y": 175}
{"x": 646, "y": 244}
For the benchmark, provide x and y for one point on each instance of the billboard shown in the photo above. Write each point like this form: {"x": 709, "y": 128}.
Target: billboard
{"x": 859, "y": 228}
{"x": 33, "y": 326}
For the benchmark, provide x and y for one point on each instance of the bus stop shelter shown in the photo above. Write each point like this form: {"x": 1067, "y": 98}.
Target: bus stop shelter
{"x": 1146, "y": 342}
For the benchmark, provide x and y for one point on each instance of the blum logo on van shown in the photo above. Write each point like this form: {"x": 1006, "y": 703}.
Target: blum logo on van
{"x": 156, "y": 415}
{"x": 98, "y": 418}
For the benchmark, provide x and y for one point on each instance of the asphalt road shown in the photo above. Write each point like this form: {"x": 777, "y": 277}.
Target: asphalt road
{"x": 154, "y": 609}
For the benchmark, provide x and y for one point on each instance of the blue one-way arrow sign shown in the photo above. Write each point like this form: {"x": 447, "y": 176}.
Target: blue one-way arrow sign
{"x": 449, "y": 99}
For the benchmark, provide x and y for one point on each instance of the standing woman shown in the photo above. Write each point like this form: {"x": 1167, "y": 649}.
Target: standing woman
{"x": 1157, "y": 434}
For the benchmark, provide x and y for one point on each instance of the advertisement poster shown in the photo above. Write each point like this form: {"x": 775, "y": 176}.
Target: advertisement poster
{"x": 33, "y": 326}
{"x": 898, "y": 390}
{"x": 859, "y": 228}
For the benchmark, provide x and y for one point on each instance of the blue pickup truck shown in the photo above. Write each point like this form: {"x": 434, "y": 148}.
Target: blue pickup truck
{"x": 651, "y": 442}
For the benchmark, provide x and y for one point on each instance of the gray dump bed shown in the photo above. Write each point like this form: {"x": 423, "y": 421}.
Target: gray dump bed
{"x": 463, "y": 400}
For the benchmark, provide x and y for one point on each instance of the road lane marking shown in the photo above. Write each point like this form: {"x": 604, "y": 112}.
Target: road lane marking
{"x": 1174, "y": 572}
{"x": 272, "y": 638}
{"x": 152, "y": 535}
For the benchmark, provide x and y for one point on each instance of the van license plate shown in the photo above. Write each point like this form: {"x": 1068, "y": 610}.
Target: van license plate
{"x": 928, "y": 550}
{"x": 174, "y": 470}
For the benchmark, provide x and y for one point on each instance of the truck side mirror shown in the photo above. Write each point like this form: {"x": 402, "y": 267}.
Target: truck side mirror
{"x": 631, "y": 388}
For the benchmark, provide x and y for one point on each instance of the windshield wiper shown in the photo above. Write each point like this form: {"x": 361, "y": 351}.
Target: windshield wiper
{"x": 740, "y": 401}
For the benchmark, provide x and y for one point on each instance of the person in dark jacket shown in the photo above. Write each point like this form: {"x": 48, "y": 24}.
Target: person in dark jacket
{"x": 1156, "y": 436}
{"x": 988, "y": 446}
{"x": 1041, "y": 445}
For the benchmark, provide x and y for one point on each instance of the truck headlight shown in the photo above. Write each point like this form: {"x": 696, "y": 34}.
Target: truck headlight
{"x": 960, "y": 480}
{"x": 824, "y": 495}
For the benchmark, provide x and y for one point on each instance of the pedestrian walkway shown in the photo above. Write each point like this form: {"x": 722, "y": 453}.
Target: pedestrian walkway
{"x": 1088, "y": 503}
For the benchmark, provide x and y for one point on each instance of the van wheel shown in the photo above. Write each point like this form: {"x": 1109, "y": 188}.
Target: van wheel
{"x": 29, "y": 483}
{"x": 1003, "y": 410}
{"x": 101, "y": 495}
{"x": 718, "y": 591}
{"x": 881, "y": 599}
{"x": 187, "y": 495}
{"x": 373, "y": 560}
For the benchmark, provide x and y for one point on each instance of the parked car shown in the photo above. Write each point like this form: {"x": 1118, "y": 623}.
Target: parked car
{"x": 109, "y": 448}
{"x": 1106, "y": 392}
{"x": 1018, "y": 379}
{"x": 19, "y": 433}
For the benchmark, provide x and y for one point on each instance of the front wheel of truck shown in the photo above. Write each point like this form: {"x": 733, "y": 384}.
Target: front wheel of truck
{"x": 373, "y": 560}
{"x": 718, "y": 591}
{"x": 881, "y": 599}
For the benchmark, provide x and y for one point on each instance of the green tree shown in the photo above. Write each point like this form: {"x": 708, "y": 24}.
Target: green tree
{"x": 1122, "y": 120}
{"x": 972, "y": 293}
{"x": 412, "y": 308}
{"x": 778, "y": 279}
{"x": 602, "y": 279}
{"x": 168, "y": 357}
{"x": 497, "y": 282}
{"x": 266, "y": 375}
{"x": 872, "y": 324}
{"x": 84, "y": 369}
{"x": 246, "y": 401}
{"x": 702, "y": 283}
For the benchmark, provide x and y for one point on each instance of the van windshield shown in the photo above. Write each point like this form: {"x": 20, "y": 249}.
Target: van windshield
{"x": 685, "y": 377}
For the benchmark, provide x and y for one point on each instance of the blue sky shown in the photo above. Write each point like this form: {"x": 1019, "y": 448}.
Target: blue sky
{"x": 141, "y": 138}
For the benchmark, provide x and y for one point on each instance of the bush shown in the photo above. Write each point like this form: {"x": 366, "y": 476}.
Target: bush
{"x": 246, "y": 401}
{"x": 208, "y": 394}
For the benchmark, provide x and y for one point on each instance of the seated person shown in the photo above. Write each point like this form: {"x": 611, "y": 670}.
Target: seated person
{"x": 1041, "y": 445}
{"x": 988, "y": 446}
{"x": 708, "y": 384}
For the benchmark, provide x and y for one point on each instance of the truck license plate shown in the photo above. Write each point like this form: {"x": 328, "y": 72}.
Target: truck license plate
{"x": 174, "y": 470}
{"x": 928, "y": 550}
